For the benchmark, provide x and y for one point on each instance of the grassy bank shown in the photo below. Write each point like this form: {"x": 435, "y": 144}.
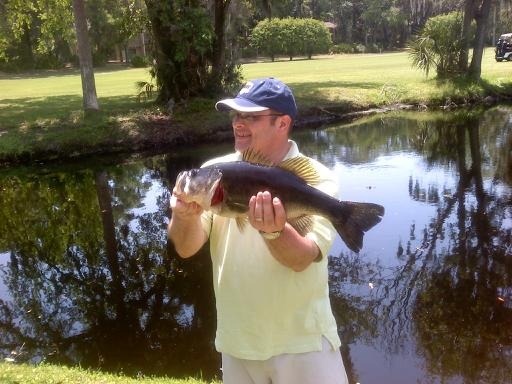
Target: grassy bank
{"x": 40, "y": 113}
{"x": 49, "y": 374}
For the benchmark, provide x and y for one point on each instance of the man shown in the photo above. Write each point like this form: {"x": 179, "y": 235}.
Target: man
{"x": 274, "y": 319}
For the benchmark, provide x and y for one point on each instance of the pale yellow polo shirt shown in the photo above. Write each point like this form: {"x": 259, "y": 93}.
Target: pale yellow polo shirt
{"x": 264, "y": 308}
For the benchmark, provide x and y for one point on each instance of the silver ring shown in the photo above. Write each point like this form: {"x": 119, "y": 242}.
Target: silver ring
{"x": 258, "y": 219}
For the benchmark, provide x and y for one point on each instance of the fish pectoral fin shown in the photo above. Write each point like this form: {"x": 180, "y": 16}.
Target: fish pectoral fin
{"x": 241, "y": 222}
{"x": 302, "y": 224}
{"x": 303, "y": 168}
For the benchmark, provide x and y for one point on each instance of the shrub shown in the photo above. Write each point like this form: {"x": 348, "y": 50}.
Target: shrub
{"x": 360, "y": 48}
{"x": 139, "y": 61}
{"x": 291, "y": 37}
{"x": 315, "y": 36}
{"x": 342, "y": 48}
{"x": 439, "y": 45}
{"x": 372, "y": 48}
{"x": 267, "y": 36}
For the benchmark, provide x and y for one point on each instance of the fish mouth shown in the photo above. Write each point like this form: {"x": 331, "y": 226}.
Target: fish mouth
{"x": 197, "y": 185}
{"x": 181, "y": 182}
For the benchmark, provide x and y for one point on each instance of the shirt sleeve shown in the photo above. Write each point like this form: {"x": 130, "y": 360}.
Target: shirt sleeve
{"x": 207, "y": 222}
{"x": 323, "y": 232}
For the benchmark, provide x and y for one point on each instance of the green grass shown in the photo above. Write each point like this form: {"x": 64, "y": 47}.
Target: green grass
{"x": 41, "y": 112}
{"x": 360, "y": 81}
{"x": 51, "y": 374}
{"x": 49, "y": 95}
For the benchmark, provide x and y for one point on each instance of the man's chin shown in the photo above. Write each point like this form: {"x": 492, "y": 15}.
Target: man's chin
{"x": 242, "y": 145}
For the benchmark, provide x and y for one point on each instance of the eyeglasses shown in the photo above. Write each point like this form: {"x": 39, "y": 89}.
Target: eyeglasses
{"x": 249, "y": 118}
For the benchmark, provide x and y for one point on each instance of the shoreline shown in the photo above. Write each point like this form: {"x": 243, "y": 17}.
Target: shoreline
{"x": 159, "y": 133}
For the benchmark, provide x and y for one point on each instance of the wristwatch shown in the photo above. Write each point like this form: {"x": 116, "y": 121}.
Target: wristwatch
{"x": 271, "y": 235}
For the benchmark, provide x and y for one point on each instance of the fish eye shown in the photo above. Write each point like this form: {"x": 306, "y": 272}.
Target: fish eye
{"x": 194, "y": 172}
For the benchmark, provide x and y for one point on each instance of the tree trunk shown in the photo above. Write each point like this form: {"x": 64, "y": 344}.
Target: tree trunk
{"x": 469, "y": 14}
{"x": 267, "y": 8}
{"x": 163, "y": 51}
{"x": 28, "y": 52}
{"x": 90, "y": 100}
{"x": 482, "y": 20}
{"x": 181, "y": 66}
{"x": 219, "y": 43}
{"x": 109, "y": 237}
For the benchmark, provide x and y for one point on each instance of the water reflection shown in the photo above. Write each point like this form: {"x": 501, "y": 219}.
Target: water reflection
{"x": 87, "y": 275}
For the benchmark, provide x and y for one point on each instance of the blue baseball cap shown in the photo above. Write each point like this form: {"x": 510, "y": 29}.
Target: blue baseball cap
{"x": 261, "y": 95}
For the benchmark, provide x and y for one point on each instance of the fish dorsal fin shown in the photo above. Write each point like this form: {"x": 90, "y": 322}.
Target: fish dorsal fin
{"x": 303, "y": 168}
{"x": 302, "y": 224}
{"x": 255, "y": 157}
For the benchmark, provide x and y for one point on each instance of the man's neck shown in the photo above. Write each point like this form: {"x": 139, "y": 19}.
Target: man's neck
{"x": 278, "y": 155}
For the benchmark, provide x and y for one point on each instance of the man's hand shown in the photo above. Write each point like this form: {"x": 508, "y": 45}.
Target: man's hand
{"x": 183, "y": 210}
{"x": 266, "y": 214}
{"x": 185, "y": 229}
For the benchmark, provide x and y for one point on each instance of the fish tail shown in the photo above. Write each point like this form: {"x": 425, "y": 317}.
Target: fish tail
{"x": 354, "y": 219}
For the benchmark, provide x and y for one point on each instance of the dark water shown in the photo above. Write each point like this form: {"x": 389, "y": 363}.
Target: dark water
{"x": 88, "y": 277}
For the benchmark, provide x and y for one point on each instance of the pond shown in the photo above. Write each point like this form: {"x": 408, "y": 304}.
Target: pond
{"x": 87, "y": 275}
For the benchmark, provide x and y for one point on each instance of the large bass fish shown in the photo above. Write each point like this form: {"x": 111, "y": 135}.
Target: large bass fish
{"x": 225, "y": 189}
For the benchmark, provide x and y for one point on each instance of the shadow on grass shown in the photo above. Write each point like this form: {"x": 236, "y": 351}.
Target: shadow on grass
{"x": 15, "y": 112}
{"x": 318, "y": 93}
{"x": 280, "y": 59}
{"x": 44, "y": 73}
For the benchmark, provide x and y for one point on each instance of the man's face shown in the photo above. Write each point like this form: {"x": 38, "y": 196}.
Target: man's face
{"x": 256, "y": 130}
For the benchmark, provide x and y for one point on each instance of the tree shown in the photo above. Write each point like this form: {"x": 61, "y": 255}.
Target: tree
{"x": 90, "y": 100}
{"x": 267, "y": 36}
{"x": 439, "y": 45}
{"x": 291, "y": 36}
{"x": 35, "y": 35}
{"x": 480, "y": 13}
{"x": 219, "y": 41}
{"x": 315, "y": 37}
{"x": 183, "y": 36}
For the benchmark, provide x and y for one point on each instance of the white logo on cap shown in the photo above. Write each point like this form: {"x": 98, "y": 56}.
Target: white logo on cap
{"x": 247, "y": 88}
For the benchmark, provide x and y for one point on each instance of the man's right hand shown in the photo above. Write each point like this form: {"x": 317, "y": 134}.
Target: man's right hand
{"x": 185, "y": 229}
{"x": 183, "y": 210}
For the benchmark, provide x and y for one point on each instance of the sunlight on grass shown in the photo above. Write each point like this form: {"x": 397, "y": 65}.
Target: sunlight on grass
{"x": 45, "y": 373}
{"x": 42, "y": 110}
{"x": 118, "y": 81}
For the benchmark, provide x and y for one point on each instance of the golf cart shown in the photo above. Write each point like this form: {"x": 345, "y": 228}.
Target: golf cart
{"x": 504, "y": 47}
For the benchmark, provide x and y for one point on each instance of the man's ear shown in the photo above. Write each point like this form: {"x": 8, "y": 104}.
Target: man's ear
{"x": 285, "y": 122}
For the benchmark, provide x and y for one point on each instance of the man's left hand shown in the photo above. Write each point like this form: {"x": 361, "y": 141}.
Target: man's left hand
{"x": 266, "y": 214}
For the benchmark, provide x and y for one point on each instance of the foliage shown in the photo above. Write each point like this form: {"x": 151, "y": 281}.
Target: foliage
{"x": 40, "y": 34}
{"x": 315, "y": 36}
{"x": 183, "y": 37}
{"x": 439, "y": 45}
{"x": 268, "y": 37}
{"x": 35, "y": 34}
{"x": 139, "y": 61}
{"x": 291, "y": 36}
{"x": 145, "y": 90}
{"x": 342, "y": 48}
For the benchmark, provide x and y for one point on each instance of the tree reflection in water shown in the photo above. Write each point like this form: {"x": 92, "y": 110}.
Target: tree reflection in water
{"x": 92, "y": 279}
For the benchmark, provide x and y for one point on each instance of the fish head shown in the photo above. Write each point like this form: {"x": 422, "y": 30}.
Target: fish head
{"x": 198, "y": 185}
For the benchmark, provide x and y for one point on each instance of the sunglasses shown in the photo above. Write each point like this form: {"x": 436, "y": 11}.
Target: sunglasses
{"x": 249, "y": 117}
